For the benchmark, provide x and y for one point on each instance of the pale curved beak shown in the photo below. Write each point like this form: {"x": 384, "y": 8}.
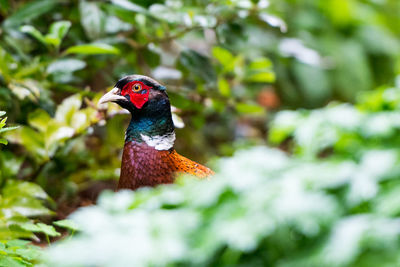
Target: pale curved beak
{"x": 111, "y": 96}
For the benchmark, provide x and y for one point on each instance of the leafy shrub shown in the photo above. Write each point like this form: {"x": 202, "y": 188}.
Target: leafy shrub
{"x": 19, "y": 202}
{"x": 263, "y": 207}
{"x": 16, "y": 253}
{"x": 53, "y": 68}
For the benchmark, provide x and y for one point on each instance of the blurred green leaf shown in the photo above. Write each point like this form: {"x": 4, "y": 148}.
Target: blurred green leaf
{"x": 260, "y": 64}
{"x": 274, "y": 21}
{"x": 41, "y": 228}
{"x": 29, "y": 11}
{"x": 197, "y": 64}
{"x": 315, "y": 90}
{"x": 129, "y": 6}
{"x": 47, "y": 229}
{"x": 67, "y": 65}
{"x": 262, "y": 77}
{"x": 2, "y": 130}
{"x": 224, "y": 57}
{"x": 223, "y": 87}
{"x": 15, "y": 189}
{"x": 32, "y": 140}
{"x": 92, "y": 19}
{"x": 12, "y": 262}
{"x": 93, "y": 49}
{"x": 249, "y": 108}
{"x": 67, "y": 224}
{"x": 57, "y": 32}
{"x": 39, "y": 119}
{"x": 34, "y": 33}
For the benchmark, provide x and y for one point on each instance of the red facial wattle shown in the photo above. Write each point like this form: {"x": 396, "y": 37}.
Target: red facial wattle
{"x": 138, "y": 93}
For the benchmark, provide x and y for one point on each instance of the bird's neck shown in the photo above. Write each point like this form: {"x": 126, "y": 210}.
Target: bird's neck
{"x": 153, "y": 125}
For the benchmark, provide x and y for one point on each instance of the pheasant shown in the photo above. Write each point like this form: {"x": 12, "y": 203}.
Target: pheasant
{"x": 149, "y": 157}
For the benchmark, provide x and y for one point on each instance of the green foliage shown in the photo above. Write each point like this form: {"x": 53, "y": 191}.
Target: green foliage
{"x": 347, "y": 130}
{"x": 92, "y": 49}
{"x": 263, "y": 207}
{"x": 333, "y": 49}
{"x": 53, "y": 69}
{"x": 45, "y": 135}
{"x": 67, "y": 224}
{"x": 19, "y": 202}
{"x": 17, "y": 253}
{"x": 53, "y": 38}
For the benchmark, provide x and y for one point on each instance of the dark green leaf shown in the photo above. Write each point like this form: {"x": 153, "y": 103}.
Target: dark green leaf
{"x": 198, "y": 64}
{"x": 29, "y": 11}
{"x": 34, "y": 33}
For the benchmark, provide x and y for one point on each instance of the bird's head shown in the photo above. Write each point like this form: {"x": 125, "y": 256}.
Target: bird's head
{"x": 134, "y": 92}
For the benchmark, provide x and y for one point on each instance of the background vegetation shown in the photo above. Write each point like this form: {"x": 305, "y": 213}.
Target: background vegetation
{"x": 327, "y": 195}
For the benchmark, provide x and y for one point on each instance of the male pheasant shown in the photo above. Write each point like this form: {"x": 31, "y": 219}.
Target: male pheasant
{"x": 149, "y": 157}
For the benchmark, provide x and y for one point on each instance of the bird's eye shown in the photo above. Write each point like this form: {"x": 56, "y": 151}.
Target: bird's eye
{"x": 137, "y": 87}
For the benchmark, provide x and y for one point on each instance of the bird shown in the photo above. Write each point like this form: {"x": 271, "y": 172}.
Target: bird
{"x": 149, "y": 157}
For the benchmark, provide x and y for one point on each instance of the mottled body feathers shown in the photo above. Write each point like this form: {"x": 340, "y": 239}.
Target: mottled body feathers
{"x": 145, "y": 166}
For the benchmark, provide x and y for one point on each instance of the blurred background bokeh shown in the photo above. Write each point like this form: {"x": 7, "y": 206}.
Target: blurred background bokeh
{"x": 314, "y": 78}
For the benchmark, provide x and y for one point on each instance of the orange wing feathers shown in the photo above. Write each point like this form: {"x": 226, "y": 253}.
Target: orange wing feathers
{"x": 185, "y": 165}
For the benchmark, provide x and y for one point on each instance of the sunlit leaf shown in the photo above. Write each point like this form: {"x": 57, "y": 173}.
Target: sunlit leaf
{"x": 262, "y": 77}
{"x": 41, "y": 228}
{"x": 57, "y": 32}
{"x": 93, "y": 49}
{"x": 224, "y": 57}
{"x": 39, "y": 119}
{"x": 68, "y": 224}
{"x": 223, "y": 87}
{"x": 260, "y": 63}
{"x": 2, "y": 130}
{"x": 47, "y": 229}
{"x": 67, "y": 109}
{"x": 249, "y": 108}
{"x": 32, "y": 140}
